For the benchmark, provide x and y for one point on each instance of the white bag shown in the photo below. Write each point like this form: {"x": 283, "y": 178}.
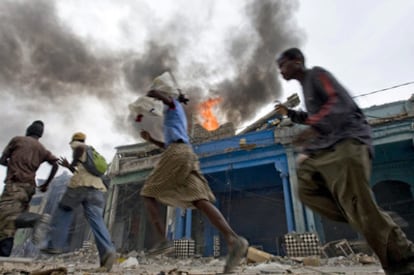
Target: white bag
{"x": 153, "y": 125}
{"x": 166, "y": 84}
{"x": 151, "y": 116}
{"x": 147, "y": 106}
{"x": 151, "y": 111}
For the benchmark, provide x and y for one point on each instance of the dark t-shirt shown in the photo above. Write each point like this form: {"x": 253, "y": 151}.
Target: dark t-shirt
{"x": 25, "y": 155}
{"x": 331, "y": 111}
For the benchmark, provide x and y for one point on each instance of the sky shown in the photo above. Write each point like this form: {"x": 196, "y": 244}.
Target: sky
{"x": 77, "y": 64}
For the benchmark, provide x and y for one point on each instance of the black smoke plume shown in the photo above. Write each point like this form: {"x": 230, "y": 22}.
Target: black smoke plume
{"x": 47, "y": 69}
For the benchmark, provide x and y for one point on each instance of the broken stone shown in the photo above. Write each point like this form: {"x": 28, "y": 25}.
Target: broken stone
{"x": 133, "y": 253}
{"x": 337, "y": 248}
{"x": 270, "y": 268}
{"x": 365, "y": 259}
{"x": 258, "y": 256}
{"x": 311, "y": 261}
{"x": 53, "y": 271}
{"x": 130, "y": 263}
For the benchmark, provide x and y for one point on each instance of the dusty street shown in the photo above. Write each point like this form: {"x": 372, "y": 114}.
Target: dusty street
{"x": 85, "y": 262}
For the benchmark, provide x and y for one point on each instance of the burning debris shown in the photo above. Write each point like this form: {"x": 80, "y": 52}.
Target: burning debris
{"x": 210, "y": 122}
{"x": 200, "y": 134}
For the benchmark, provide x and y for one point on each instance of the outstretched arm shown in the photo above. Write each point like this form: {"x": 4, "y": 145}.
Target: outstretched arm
{"x": 55, "y": 166}
{"x": 77, "y": 154}
{"x": 295, "y": 116}
{"x": 161, "y": 96}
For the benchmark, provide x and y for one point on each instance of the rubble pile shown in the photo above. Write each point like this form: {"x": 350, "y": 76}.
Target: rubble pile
{"x": 87, "y": 255}
{"x": 85, "y": 261}
{"x": 80, "y": 263}
{"x": 26, "y": 266}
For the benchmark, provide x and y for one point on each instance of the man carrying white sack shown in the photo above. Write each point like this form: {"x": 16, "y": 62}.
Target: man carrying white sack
{"x": 177, "y": 179}
{"x": 148, "y": 115}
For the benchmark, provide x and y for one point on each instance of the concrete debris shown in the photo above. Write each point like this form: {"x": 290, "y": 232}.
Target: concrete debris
{"x": 255, "y": 255}
{"x": 337, "y": 248}
{"x": 365, "y": 259}
{"x": 344, "y": 247}
{"x": 85, "y": 262}
{"x": 15, "y": 260}
{"x": 270, "y": 267}
{"x": 53, "y": 271}
{"x": 131, "y": 262}
{"x": 205, "y": 266}
{"x": 312, "y": 261}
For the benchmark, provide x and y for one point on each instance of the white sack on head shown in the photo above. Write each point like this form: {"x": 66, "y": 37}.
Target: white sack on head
{"x": 165, "y": 83}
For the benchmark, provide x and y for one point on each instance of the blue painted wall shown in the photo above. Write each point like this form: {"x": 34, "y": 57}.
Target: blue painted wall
{"x": 251, "y": 187}
{"x": 394, "y": 161}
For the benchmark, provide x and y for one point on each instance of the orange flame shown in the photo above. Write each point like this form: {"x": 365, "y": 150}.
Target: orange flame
{"x": 210, "y": 122}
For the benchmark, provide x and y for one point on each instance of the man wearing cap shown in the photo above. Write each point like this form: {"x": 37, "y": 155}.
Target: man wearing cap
{"x": 23, "y": 156}
{"x": 177, "y": 179}
{"x": 87, "y": 190}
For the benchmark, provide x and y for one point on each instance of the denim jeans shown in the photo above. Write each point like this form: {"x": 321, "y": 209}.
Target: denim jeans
{"x": 93, "y": 202}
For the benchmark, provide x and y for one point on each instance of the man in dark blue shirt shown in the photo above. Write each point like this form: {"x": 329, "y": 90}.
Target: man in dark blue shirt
{"x": 335, "y": 164}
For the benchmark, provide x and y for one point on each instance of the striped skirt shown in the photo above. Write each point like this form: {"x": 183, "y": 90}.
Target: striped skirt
{"x": 177, "y": 180}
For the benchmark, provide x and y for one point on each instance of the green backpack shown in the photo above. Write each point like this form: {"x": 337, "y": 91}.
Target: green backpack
{"x": 95, "y": 163}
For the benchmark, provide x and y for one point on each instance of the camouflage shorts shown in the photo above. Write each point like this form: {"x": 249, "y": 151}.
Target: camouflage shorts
{"x": 14, "y": 201}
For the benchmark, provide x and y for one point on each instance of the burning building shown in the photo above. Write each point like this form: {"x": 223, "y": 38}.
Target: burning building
{"x": 253, "y": 177}
{"x": 209, "y": 128}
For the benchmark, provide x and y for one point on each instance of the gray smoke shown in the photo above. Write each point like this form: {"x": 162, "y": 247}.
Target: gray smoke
{"x": 43, "y": 55}
{"x": 256, "y": 83}
{"x": 47, "y": 69}
{"x": 142, "y": 69}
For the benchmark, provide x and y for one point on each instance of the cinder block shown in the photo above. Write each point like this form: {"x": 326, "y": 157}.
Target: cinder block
{"x": 184, "y": 248}
{"x": 302, "y": 244}
{"x": 216, "y": 246}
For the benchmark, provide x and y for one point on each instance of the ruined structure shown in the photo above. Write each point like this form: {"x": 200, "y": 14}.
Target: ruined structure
{"x": 253, "y": 177}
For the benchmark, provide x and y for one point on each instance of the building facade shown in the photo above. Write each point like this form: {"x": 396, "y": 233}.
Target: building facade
{"x": 253, "y": 178}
